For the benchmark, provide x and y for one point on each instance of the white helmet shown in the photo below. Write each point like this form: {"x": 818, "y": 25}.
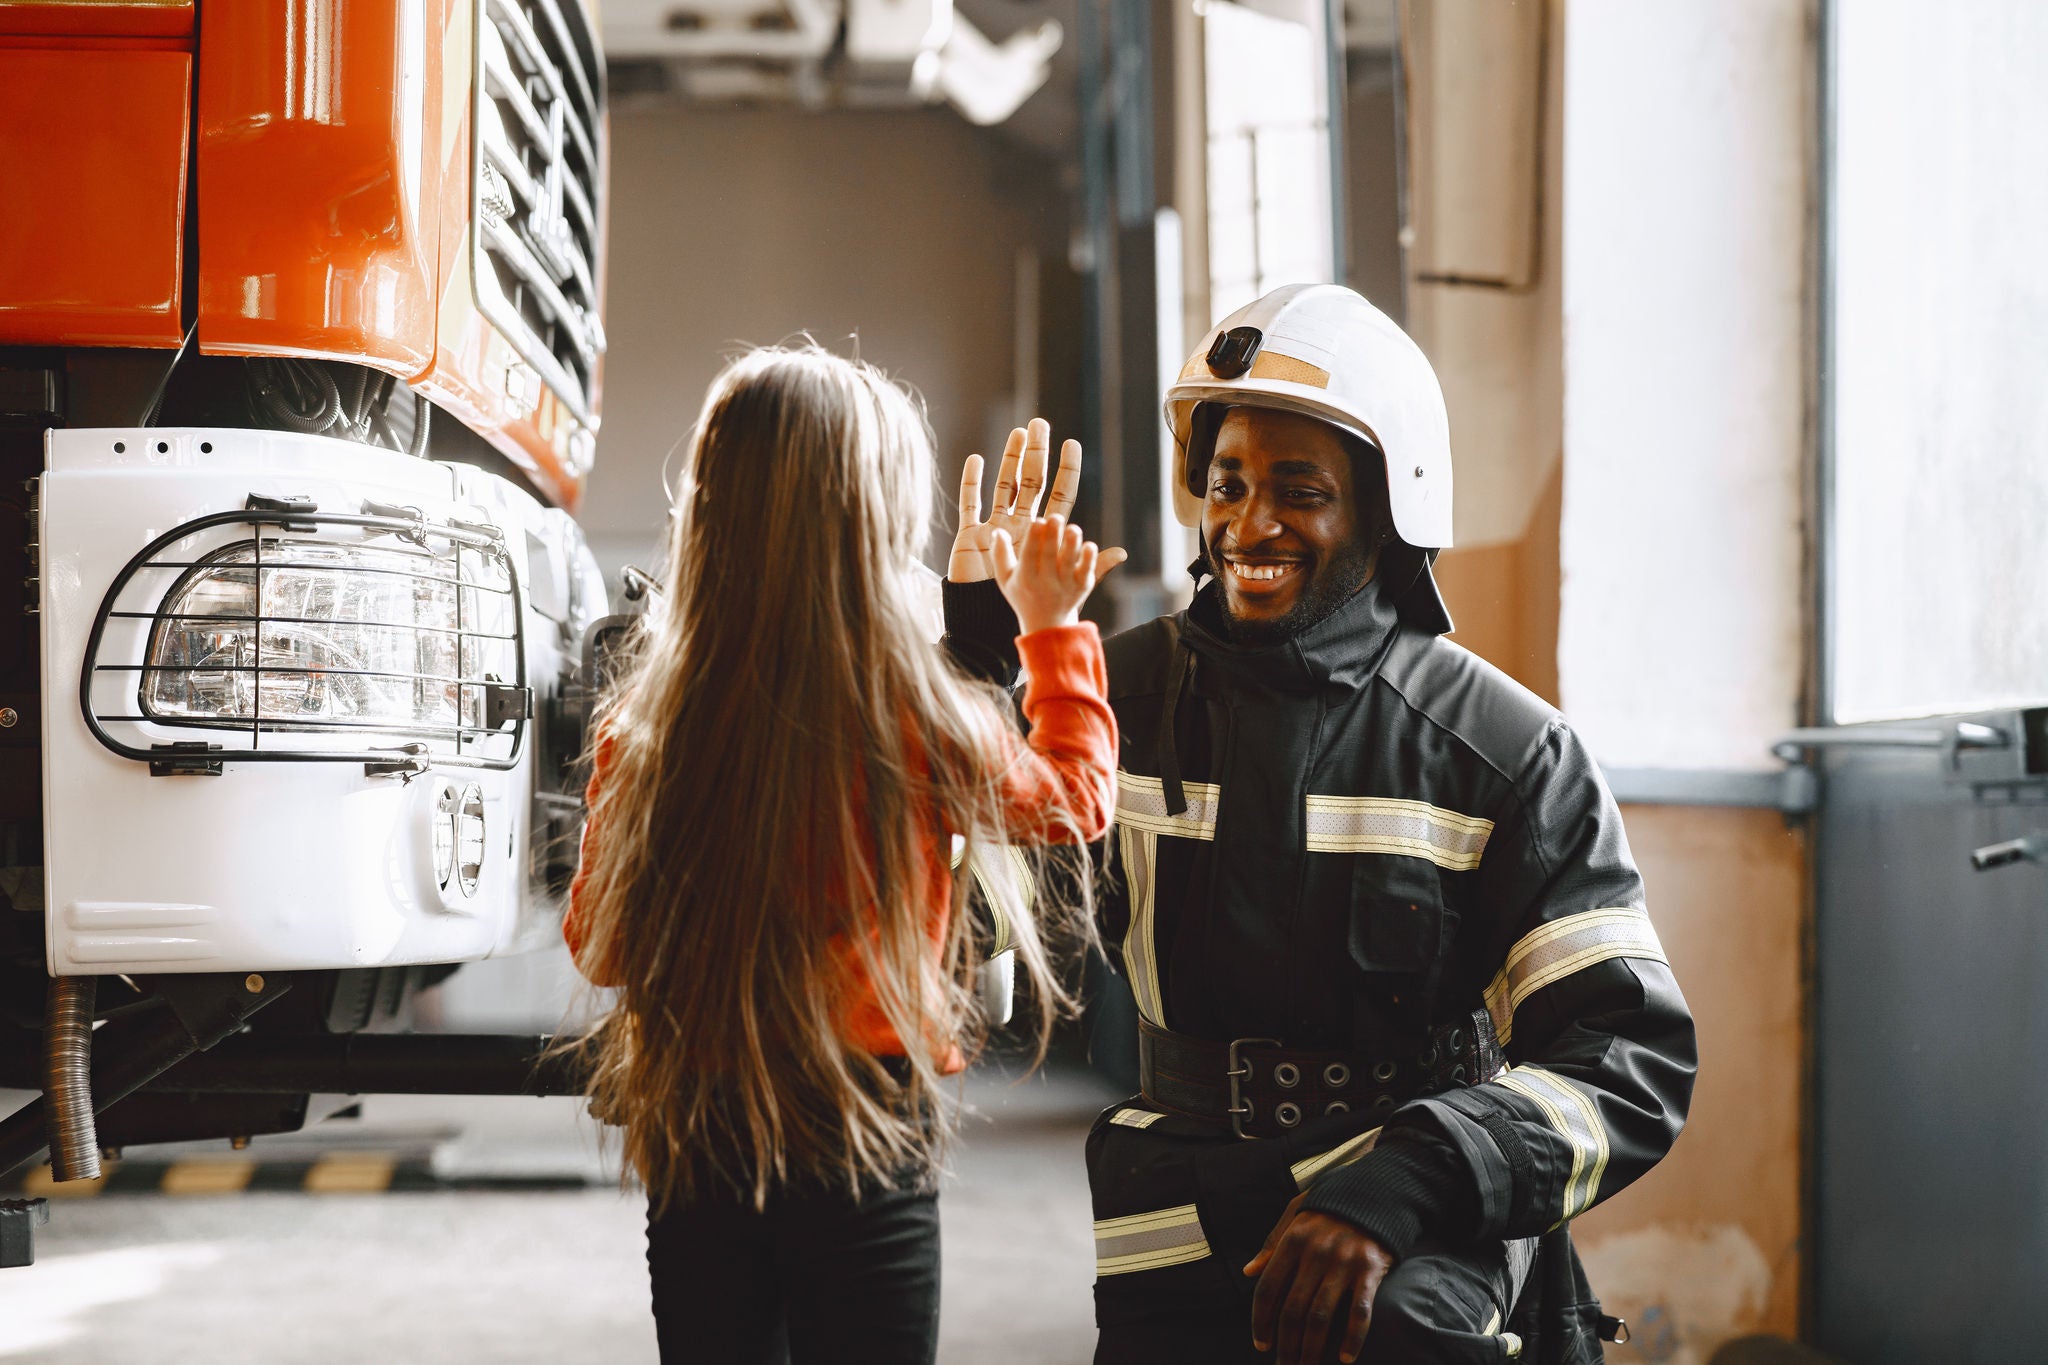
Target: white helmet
{"x": 1323, "y": 351}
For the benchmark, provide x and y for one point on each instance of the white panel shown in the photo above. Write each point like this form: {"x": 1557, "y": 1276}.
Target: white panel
{"x": 270, "y": 866}
{"x": 1475, "y": 131}
{"x": 1685, "y": 211}
{"x": 1941, "y": 348}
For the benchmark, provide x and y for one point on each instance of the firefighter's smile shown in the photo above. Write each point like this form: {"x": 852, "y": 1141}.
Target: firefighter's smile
{"x": 1260, "y": 577}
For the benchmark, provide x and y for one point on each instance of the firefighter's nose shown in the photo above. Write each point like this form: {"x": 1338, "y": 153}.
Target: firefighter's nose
{"x": 1255, "y": 523}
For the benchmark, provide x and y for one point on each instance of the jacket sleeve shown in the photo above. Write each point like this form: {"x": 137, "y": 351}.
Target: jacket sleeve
{"x": 1059, "y": 782}
{"x": 1599, "y": 1042}
{"x": 981, "y": 631}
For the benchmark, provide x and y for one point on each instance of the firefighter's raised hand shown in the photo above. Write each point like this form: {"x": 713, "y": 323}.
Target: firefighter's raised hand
{"x": 1318, "y": 1276}
{"x": 1048, "y": 576}
{"x": 1020, "y": 482}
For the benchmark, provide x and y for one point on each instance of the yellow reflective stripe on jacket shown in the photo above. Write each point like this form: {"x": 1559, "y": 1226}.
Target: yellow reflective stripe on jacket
{"x": 1136, "y": 1118}
{"x": 1013, "y": 864}
{"x": 1343, "y": 1154}
{"x": 1141, "y": 804}
{"x": 1149, "y": 1241}
{"x": 1414, "y": 829}
{"x": 1556, "y": 950}
{"x": 1569, "y": 1111}
{"x": 1139, "y": 850}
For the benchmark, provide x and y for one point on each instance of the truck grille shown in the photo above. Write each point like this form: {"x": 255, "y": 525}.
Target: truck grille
{"x": 538, "y": 181}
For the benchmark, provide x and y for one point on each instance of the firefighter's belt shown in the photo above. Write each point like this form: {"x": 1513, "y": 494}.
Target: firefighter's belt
{"x": 1261, "y": 1087}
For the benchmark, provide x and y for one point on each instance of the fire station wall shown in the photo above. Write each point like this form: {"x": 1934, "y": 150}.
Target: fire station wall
{"x": 750, "y": 226}
{"x": 1686, "y": 189}
{"x": 1498, "y": 351}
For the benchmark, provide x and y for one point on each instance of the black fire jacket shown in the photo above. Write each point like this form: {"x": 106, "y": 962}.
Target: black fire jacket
{"x": 1381, "y": 834}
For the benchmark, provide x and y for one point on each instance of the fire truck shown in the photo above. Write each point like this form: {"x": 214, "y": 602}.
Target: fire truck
{"x": 300, "y": 359}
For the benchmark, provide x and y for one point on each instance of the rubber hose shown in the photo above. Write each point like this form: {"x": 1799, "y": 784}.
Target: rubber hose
{"x": 67, "y": 1078}
{"x": 296, "y": 396}
{"x": 422, "y": 412}
{"x": 355, "y": 402}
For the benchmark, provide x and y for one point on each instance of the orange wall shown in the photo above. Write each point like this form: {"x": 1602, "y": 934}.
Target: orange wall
{"x": 1707, "y": 1246}
{"x": 1504, "y": 597}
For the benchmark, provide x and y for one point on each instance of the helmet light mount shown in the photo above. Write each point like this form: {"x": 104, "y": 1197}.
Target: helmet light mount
{"x": 1233, "y": 351}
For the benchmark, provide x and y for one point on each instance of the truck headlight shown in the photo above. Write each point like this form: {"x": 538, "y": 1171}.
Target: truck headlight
{"x": 322, "y": 634}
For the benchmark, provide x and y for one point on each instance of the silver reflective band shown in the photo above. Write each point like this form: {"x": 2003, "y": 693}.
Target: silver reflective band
{"x": 1344, "y": 1153}
{"x": 1562, "y": 947}
{"x": 1141, "y": 804}
{"x": 1414, "y": 829}
{"x": 1569, "y": 1112}
{"x": 1136, "y": 1118}
{"x": 1149, "y": 1241}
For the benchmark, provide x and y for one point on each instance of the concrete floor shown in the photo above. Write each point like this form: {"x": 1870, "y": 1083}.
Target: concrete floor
{"x": 480, "y": 1275}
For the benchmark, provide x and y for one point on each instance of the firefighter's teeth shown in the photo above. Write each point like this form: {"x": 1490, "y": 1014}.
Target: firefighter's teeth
{"x": 1259, "y": 573}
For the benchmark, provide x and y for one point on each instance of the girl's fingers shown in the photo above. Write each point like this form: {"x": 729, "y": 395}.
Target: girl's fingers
{"x": 1003, "y": 551}
{"x": 1090, "y": 556}
{"x": 1067, "y": 483}
{"x": 1031, "y": 476}
{"x": 1109, "y": 559}
{"x": 1006, "y": 474}
{"x": 970, "y": 492}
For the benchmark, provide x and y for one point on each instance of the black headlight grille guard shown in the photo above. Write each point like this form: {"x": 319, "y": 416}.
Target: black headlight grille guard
{"x": 447, "y": 545}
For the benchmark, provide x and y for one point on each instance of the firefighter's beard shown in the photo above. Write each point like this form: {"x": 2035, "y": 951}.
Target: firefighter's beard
{"x": 1336, "y": 581}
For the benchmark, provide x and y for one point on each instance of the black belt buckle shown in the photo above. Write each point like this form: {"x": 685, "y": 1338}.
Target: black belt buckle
{"x": 1240, "y": 1109}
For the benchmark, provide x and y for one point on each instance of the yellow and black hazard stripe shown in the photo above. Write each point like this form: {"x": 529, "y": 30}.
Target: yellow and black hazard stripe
{"x": 335, "y": 1173}
{"x": 1564, "y": 946}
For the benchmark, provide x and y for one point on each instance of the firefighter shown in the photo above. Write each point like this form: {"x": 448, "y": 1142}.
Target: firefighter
{"x": 1403, "y": 1014}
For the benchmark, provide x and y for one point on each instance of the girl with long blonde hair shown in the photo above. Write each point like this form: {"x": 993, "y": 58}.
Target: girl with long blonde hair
{"x": 790, "y": 782}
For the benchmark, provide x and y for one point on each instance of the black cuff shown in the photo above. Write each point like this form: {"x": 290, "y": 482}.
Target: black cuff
{"x": 981, "y": 630}
{"x": 1396, "y": 1194}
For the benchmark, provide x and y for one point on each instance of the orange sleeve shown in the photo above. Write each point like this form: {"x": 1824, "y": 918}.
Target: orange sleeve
{"x": 572, "y": 930}
{"x": 1068, "y": 761}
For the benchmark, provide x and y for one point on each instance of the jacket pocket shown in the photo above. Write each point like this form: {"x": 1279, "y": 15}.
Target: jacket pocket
{"x": 1399, "y": 934}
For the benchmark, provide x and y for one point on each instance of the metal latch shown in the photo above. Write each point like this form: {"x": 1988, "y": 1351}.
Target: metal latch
{"x": 191, "y": 760}
{"x": 262, "y": 502}
{"x": 505, "y": 702}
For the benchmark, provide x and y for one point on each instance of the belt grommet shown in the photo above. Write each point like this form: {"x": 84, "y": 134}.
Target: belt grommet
{"x": 1384, "y": 1104}
{"x": 1427, "y": 1058}
{"x": 1335, "y": 1107}
{"x": 1336, "y": 1075}
{"x": 1287, "y": 1113}
{"x": 1286, "y": 1075}
{"x": 1457, "y": 1040}
{"x": 1458, "y": 1074}
{"x": 1384, "y": 1072}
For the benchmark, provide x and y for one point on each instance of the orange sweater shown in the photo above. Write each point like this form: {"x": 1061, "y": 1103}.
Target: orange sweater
{"x": 1068, "y": 760}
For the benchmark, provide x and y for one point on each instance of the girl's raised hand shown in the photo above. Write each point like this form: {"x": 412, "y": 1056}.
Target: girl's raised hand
{"x": 1048, "y": 576}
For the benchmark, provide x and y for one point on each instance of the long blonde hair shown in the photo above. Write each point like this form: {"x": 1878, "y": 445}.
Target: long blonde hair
{"x": 788, "y": 749}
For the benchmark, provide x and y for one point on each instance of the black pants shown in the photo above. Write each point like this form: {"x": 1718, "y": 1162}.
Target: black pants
{"x": 1435, "y": 1306}
{"x": 819, "y": 1275}
{"x": 1181, "y": 1206}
